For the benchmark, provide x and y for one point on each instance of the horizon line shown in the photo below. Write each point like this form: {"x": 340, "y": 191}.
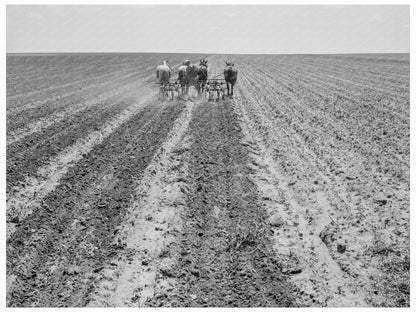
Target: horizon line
{"x": 112, "y": 52}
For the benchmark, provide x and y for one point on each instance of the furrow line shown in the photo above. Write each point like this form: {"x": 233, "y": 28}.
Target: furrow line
{"x": 320, "y": 278}
{"x": 73, "y": 84}
{"x": 68, "y": 240}
{"x": 93, "y": 84}
{"x": 49, "y": 120}
{"x": 151, "y": 226}
{"x": 25, "y": 199}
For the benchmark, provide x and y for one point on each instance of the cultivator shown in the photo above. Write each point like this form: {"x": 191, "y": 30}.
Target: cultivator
{"x": 169, "y": 90}
{"x": 213, "y": 89}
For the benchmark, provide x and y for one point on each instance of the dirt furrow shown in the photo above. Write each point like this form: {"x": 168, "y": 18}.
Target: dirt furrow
{"x": 57, "y": 252}
{"x": 346, "y": 138}
{"x": 28, "y": 197}
{"x": 45, "y": 84}
{"x": 357, "y": 77}
{"x": 150, "y": 230}
{"x": 60, "y": 115}
{"x": 100, "y": 84}
{"x": 298, "y": 81}
{"x": 363, "y": 67}
{"x": 354, "y": 209}
{"x": 52, "y": 102}
{"x": 335, "y": 147}
{"x": 23, "y": 158}
{"x": 225, "y": 257}
{"x": 62, "y": 86}
{"x": 37, "y": 79}
{"x": 294, "y": 193}
{"x": 320, "y": 279}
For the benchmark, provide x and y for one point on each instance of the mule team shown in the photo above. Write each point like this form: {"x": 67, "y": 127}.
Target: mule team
{"x": 196, "y": 76}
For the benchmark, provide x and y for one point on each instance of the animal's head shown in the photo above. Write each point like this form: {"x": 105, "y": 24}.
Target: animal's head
{"x": 164, "y": 62}
{"x": 203, "y": 62}
{"x": 229, "y": 64}
{"x": 187, "y": 63}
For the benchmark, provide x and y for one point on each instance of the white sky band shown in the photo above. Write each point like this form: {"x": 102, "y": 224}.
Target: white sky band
{"x": 274, "y": 29}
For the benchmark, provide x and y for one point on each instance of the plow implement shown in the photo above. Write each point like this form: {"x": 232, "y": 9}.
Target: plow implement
{"x": 214, "y": 89}
{"x": 168, "y": 90}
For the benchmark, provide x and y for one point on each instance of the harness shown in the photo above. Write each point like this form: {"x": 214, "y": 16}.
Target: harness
{"x": 203, "y": 75}
{"x": 231, "y": 73}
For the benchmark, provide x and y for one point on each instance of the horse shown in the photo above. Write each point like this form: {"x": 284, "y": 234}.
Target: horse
{"x": 163, "y": 73}
{"x": 230, "y": 75}
{"x": 202, "y": 75}
{"x": 191, "y": 74}
{"x": 183, "y": 80}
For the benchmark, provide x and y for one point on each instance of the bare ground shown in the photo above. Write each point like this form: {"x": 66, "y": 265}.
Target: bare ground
{"x": 294, "y": 193}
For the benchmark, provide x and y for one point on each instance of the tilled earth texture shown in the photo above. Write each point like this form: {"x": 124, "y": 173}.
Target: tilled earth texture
{"x": 294, "y": 193}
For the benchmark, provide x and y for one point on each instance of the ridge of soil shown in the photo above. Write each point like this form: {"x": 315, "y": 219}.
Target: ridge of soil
{"x": 151, "y": 226}
{"x": 55, "y": 252}
{"x": 296, "y": 193}
{"x": 225, "y": 257}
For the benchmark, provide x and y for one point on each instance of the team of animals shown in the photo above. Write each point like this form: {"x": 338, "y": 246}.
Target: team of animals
{"x": 196, "y": 76}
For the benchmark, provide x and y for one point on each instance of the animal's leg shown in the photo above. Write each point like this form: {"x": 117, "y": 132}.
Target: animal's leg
{"x": 160, "y": 93}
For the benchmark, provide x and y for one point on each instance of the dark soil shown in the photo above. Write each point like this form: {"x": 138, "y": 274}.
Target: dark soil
{"x": 26, "y": 156}
{"x": 225, "y": 258}
{"x": 56, "y": 252}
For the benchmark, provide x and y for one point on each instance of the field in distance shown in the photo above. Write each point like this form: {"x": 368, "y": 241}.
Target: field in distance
{"x": 293, "y": 193}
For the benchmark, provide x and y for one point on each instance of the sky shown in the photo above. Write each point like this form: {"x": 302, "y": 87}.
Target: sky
{"x": 256, "y": 29}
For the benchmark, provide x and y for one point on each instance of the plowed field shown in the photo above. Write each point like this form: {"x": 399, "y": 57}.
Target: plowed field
{"x": 293, "y": 193}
